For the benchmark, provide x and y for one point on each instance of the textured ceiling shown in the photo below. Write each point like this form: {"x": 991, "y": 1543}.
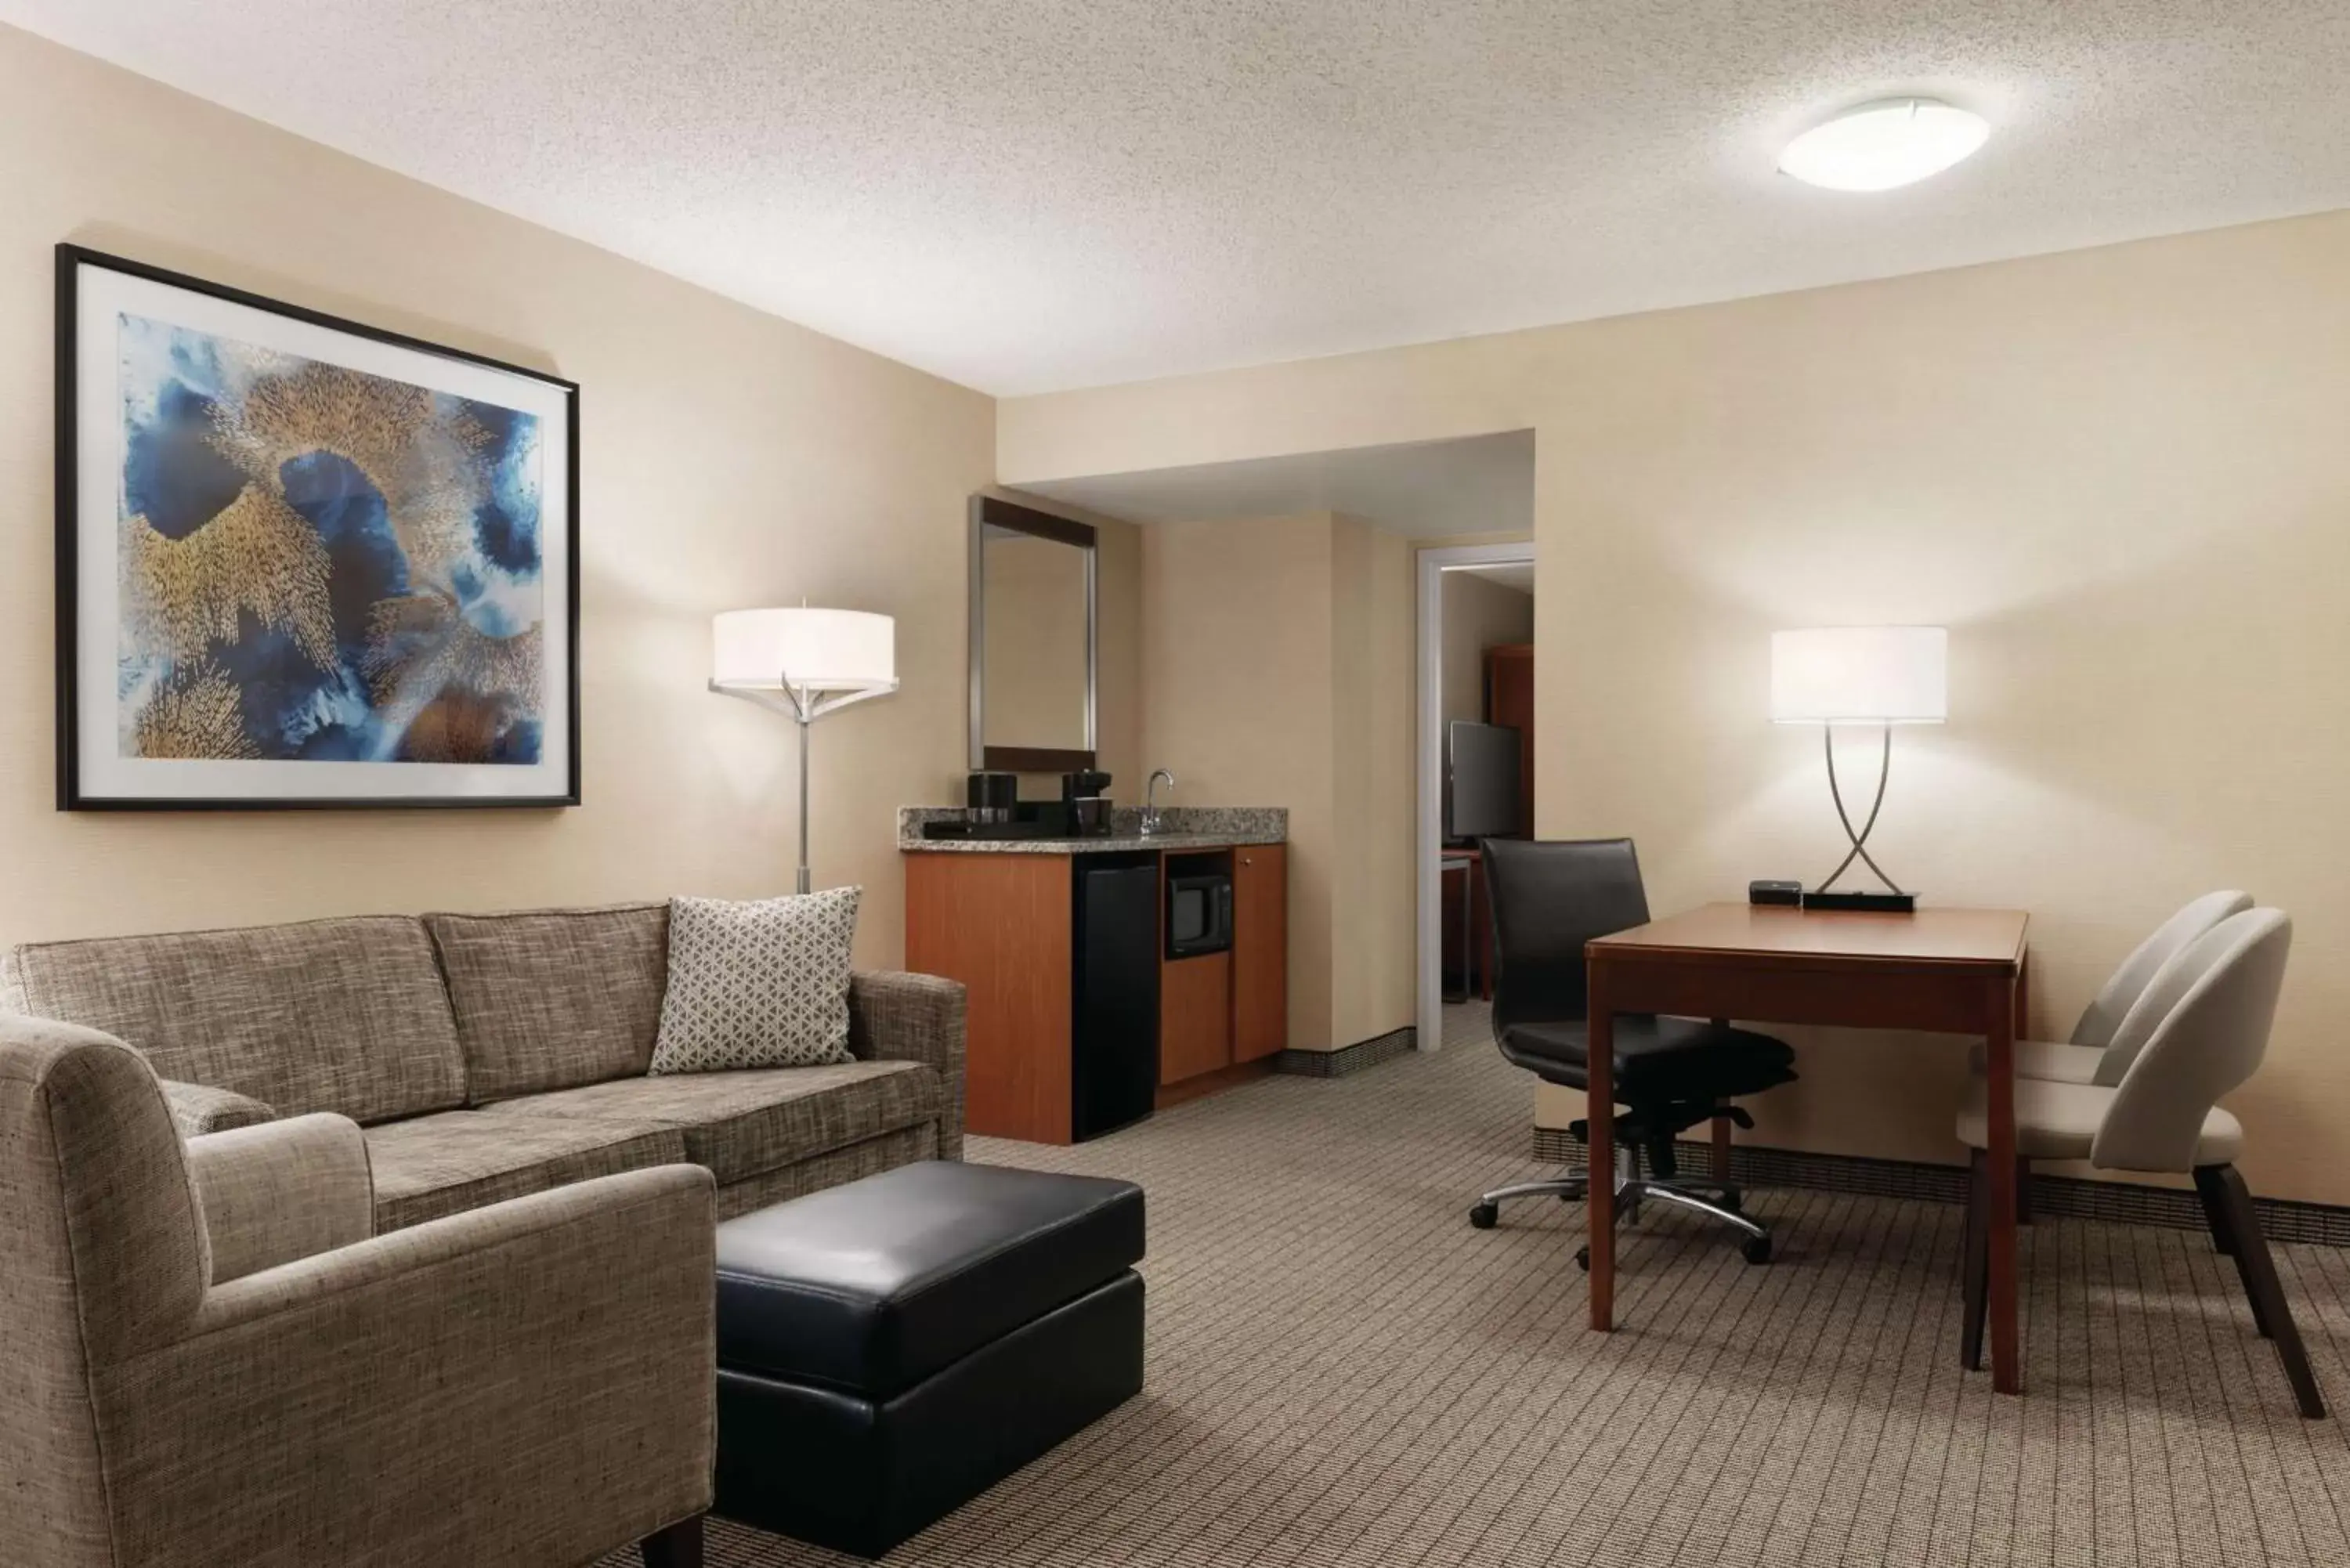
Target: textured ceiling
{"x": 1031, "y": 195}
{"x": 1424, "y": 489}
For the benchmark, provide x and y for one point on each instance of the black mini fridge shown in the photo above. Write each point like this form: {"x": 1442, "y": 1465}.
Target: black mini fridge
{"x": 1114, "y": 1077}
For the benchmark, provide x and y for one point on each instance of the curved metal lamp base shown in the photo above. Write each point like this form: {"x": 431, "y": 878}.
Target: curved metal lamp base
{"x": 1893, "y": 898}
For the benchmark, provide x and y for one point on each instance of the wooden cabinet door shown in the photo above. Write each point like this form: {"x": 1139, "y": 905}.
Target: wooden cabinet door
{"x": 1000, "y": 924}
{"x": 1260, "y": 951}
{"x": 1195, "y": 1016}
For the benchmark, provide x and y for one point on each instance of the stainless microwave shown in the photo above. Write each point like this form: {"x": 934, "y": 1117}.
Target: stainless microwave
{"x": 1199, "y": 914}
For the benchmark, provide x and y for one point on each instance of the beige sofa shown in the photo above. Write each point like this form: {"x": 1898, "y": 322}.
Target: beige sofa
{"x": 210, "y": 1361}
{"x": 492, "y": 1056}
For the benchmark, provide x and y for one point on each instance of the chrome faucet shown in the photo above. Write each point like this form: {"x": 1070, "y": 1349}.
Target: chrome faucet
{"x": 1150, "y": 818}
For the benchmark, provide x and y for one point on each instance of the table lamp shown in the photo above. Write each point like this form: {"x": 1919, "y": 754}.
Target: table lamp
{"x": 807, "y": 663}
{"x": 1882, "y": 675}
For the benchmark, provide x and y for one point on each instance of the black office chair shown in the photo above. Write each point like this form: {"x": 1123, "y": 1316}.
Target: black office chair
{"x": 1671, "y": 1073}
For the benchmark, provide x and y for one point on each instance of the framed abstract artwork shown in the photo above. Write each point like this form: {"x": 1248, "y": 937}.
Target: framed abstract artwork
{"x": 304, "y": 563}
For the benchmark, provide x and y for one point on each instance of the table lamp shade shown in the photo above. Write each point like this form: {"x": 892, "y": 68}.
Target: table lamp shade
{"x": 811, "y": 649}
{"x": 1860, "y": 675}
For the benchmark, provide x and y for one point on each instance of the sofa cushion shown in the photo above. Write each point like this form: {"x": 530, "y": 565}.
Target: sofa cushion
{"x": 428, "y": 1167}
{"x": 345, "y": 1015}
{"x": 552, "y": 998}
{"x": 742, "y": 1125}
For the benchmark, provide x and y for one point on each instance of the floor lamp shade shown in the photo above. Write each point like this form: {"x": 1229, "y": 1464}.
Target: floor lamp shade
{"x": 804, "y": 663}
{"x": 802, "y": 650}
{"x": 1860, "y": 675}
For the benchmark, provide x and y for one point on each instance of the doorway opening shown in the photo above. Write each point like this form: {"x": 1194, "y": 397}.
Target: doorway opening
{"x": 1475, "y": 759}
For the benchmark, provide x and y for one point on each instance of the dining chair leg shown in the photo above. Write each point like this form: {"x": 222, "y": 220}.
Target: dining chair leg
{"x": 1975, "y": 1268}
{"x": 2215, "y": 1213}
{"x": 2212, "y": 1190}
{"x": 2022, "y": 1190}
{"x": 2270, "y": 1307}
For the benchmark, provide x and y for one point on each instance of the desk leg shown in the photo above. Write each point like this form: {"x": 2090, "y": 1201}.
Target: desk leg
{"x": 1599, "y": 1112}
{"x": 2006, "y": 1368}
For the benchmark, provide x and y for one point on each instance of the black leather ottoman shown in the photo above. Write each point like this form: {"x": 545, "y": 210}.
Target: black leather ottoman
{"x": 889, "y": 1349}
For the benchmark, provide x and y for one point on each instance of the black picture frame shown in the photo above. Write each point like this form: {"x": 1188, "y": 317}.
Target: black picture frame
{"x": 71, "y": 259}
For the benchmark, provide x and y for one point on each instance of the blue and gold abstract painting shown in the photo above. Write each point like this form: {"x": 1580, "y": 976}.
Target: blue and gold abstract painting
{"x": 318, "y": 564}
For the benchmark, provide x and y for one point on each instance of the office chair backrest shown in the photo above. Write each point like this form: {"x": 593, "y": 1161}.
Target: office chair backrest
{"x": 2218, "y": 999}
{"x": 2103, "y": 1017}
{"x": 1548, "y": 901}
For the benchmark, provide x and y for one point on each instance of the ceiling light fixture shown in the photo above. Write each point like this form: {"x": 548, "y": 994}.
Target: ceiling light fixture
{"x": 1895, "y": 142}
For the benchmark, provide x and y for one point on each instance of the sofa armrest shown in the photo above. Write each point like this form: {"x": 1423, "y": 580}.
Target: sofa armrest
{"x": 530, "y": 1382}
{"x": 280, "y": 1192}
{"x": 199, "y": 1108}
{"x": 898, "y": 1017}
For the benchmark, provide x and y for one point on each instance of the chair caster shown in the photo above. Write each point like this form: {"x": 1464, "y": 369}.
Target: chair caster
{"x": 1583, "y": 1259}
{"x": 1732, "y": 1201}
{"x": 1484, "y": 1214}
{"x": 1757, "y": 1249}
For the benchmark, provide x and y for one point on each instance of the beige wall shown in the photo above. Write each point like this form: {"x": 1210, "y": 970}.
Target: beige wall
{"x": 1277, "y": 671}
{"x": 1478, "y": 614}
{"x": 1375, "y": 682}
{"x": 1118, "y": 696}
{"x": 1237, "y": 659}
{"x": 2119, "y": 476}
{"x": 727, "y": 459}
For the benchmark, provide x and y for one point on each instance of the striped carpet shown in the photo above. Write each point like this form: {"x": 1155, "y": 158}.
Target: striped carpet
{"x": 1343, "y": 1373}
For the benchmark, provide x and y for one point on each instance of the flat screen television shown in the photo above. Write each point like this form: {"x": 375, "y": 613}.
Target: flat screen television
{"x": 1481, "y": 781}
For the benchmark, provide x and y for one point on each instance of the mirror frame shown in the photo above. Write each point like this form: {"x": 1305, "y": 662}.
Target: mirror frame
{"x": 987, "y": 511}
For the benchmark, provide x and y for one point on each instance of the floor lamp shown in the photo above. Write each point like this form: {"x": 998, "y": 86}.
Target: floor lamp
{"x": 1883, "y": 675}
{"x": 804, "y": 663}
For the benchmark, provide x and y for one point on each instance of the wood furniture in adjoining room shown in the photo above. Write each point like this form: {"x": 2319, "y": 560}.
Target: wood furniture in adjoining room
{"x": 1948, "y": 970}
{"x": 1510, "y": 699}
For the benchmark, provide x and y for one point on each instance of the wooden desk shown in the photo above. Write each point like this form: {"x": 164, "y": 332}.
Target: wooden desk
{"x": 1954, "y": 970}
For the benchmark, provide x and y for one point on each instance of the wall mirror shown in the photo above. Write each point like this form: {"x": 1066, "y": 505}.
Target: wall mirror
{"x": 1032, "y": 639}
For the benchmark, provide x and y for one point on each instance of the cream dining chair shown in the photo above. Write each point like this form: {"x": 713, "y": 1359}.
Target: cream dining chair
{"x": 2101, "y": 1047}
{"x": 2213, "y": 1004}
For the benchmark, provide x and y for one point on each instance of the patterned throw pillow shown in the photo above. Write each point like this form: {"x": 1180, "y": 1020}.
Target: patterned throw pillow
{"x": 759, "y": 984}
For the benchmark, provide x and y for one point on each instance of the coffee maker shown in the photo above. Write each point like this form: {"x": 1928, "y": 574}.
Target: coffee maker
{"x": 1085, "y": 798}
{"x": 990, "y": 798}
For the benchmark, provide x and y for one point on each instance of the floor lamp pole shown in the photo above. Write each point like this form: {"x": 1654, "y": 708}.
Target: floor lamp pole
{"x": 802, "y": 710}
{"x": 805, "y": 726}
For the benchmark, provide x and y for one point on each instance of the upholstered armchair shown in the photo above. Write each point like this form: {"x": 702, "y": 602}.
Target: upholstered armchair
{"x": 206, "y": 1358}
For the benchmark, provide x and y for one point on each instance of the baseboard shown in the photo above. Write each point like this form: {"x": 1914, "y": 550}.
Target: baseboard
{"x": 1352, "y": 1058}
{"x": 2124, "y": 1203}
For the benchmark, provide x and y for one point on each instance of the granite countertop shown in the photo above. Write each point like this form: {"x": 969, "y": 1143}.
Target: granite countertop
{"x": 1186, "y": 828}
